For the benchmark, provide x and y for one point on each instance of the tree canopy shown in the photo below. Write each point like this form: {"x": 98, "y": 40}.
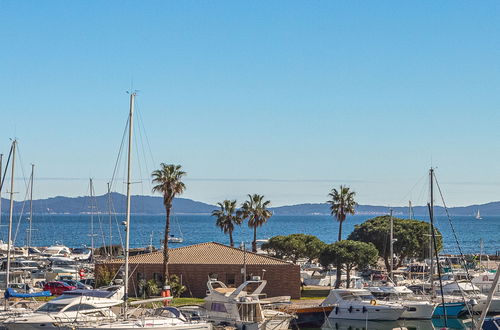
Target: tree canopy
{"x": 294, "y": 247}
{"x": 348, "y": 255}
{"x": 411, "y": 237}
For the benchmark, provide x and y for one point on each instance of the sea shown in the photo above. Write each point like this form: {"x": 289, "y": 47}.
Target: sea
{"x": 80, "y": 230}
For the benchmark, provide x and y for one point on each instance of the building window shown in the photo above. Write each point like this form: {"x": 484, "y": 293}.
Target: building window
{"x": 230, "y": 279}
{"x": 158, "y": 278}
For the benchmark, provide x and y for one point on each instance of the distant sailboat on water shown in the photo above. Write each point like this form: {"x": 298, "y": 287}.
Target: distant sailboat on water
{"x": 478, "y": 215}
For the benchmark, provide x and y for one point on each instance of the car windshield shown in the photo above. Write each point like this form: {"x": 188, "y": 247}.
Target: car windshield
{"x": 50, "y": 308}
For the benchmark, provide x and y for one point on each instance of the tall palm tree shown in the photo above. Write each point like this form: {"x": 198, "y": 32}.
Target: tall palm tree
{"x": 168, "y": 181}
{"x": 341, "y": 204}
{"x": 255, "y": 210}
{"x": 227, "y": 218}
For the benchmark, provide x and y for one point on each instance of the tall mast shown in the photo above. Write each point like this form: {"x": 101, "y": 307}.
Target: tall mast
{"x": 31, "y": 207}
{"x": 410, "y": 210}
{"x": 127, "y": 221}
{"x": 434, "y": 244}
{"x": 110, "y": 251}
{"x": 1, "y": 185}
{"x": 391, "y": 252}
{"x": 91, "y": 187}
{"x": 431, "y": 182}
{"x": 11, "y": 211}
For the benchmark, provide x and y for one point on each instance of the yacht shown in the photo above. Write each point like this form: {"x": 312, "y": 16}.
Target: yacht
{"x": 416, "y": 307}
{"x": 242, "y": 307}
{"x": 165, "y": 318}
{"x": 463, "y": 290}
{"x": 71, "y": 307}
{"x": 360, "y": 304}
{"x": 57, "y": 251}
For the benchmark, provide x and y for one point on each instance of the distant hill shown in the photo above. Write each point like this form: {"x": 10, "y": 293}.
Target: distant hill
{"x": 492, "y": 208}
{"x": 154, "y": 205}
{"x": 139, "y": 205}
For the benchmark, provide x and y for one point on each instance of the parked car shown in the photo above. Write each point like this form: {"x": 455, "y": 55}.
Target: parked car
{"x": 78, "y": 285}
{"x": 57, "y": 287}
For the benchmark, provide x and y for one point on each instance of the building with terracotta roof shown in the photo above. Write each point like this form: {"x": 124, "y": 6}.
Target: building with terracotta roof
{"x": 194, "y": 264}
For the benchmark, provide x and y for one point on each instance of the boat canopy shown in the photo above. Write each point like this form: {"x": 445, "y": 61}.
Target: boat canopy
{"x": 11, "y": 293}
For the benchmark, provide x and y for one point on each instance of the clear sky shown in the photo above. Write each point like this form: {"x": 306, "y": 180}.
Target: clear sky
{"x": 283, "y": 98}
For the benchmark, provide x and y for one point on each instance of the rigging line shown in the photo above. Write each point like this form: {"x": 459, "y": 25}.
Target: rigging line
{"x": 405, "y": 197}
{"x": 20, "y": 217}
{"x": 462, "y": 256}
{"x": 112, "y": 206}
{"x": 143, "y": 151}
{"x": 6, "y": 168}
{"x": 99, "y": 220}
{"x": 139, "y": 167}
{"x": 141, "y": 122}
{"x": 21, "y": 166}
{"x": 118, "y": 157}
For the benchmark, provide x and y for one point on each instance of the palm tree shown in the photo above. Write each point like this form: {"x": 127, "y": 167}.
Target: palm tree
{"x": 227, "y": 217}
{"x": 255, "y": 210}
{"x": 168, "y": 182}
{"x": 341, "y": 204}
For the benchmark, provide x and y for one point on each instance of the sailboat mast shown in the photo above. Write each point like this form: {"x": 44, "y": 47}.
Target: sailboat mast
{"x": 91, "y": 187}
{"x": 1, "y": 185}
{"x": 431, "y": 182}
{"x": 127, "y": 221}
{"x": 11, "y": 212}
{"x": 410, "y": 210}
{"x": 31, "y": 207}
{"x": 391, "y": 245}
{"x": 434, "y": 242}
{"x": 110, "y": 251}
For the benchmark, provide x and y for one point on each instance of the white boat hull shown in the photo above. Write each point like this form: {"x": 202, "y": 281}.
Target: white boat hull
{"x": 369, "y": 312}
{"x": 418, "y": 310}
{"x": 494, "y": 306}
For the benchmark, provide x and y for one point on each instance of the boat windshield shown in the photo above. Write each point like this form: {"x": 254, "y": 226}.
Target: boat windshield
{"x": 51, "y": 308}
{"x": 349, "y": 296}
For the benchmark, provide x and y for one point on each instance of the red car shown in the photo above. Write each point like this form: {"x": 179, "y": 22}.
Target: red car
{"x": 57, "y": 288}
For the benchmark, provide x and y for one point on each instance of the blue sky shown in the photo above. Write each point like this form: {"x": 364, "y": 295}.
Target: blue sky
{"x": 283, "y": 98}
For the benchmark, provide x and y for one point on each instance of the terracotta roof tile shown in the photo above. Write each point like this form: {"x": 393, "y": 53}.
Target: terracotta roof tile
{"x": 204, "y": 253}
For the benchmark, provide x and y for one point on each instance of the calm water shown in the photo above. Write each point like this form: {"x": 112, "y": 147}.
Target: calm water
{"x": 74, "y": 230}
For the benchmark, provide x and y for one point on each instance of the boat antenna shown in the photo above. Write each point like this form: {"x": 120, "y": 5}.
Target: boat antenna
{"x": 433, "y": 237}
{"x": 127, "y": 221}
{"x": 391, "y": 247}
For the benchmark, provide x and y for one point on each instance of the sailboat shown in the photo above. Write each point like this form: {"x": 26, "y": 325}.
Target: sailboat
{"x": 478, "y": 215}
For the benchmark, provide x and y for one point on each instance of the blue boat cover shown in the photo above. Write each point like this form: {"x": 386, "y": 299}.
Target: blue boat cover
{"x": 11, "y": 293}
{"x": 90, "y": 293}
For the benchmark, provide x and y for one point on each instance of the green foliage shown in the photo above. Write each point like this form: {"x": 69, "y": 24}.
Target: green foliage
{"x": 151, "y": 288}
{"x": 103, "y": 275}
{"x": 349, "y": 255}
{"x": 175, "y": 286}
{"x": 227, "y": 218}
{"x": 116, "y": 250}
{"x": 295, "y": 246}
{"x": 255, "y": 209}
{"x": 168, "y": 181}
{"x": 341, "y": 204}
{"x": 412, "y": 237}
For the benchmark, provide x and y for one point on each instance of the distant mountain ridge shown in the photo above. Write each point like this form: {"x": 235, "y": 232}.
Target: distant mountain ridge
{"x": 154, "y": 205}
